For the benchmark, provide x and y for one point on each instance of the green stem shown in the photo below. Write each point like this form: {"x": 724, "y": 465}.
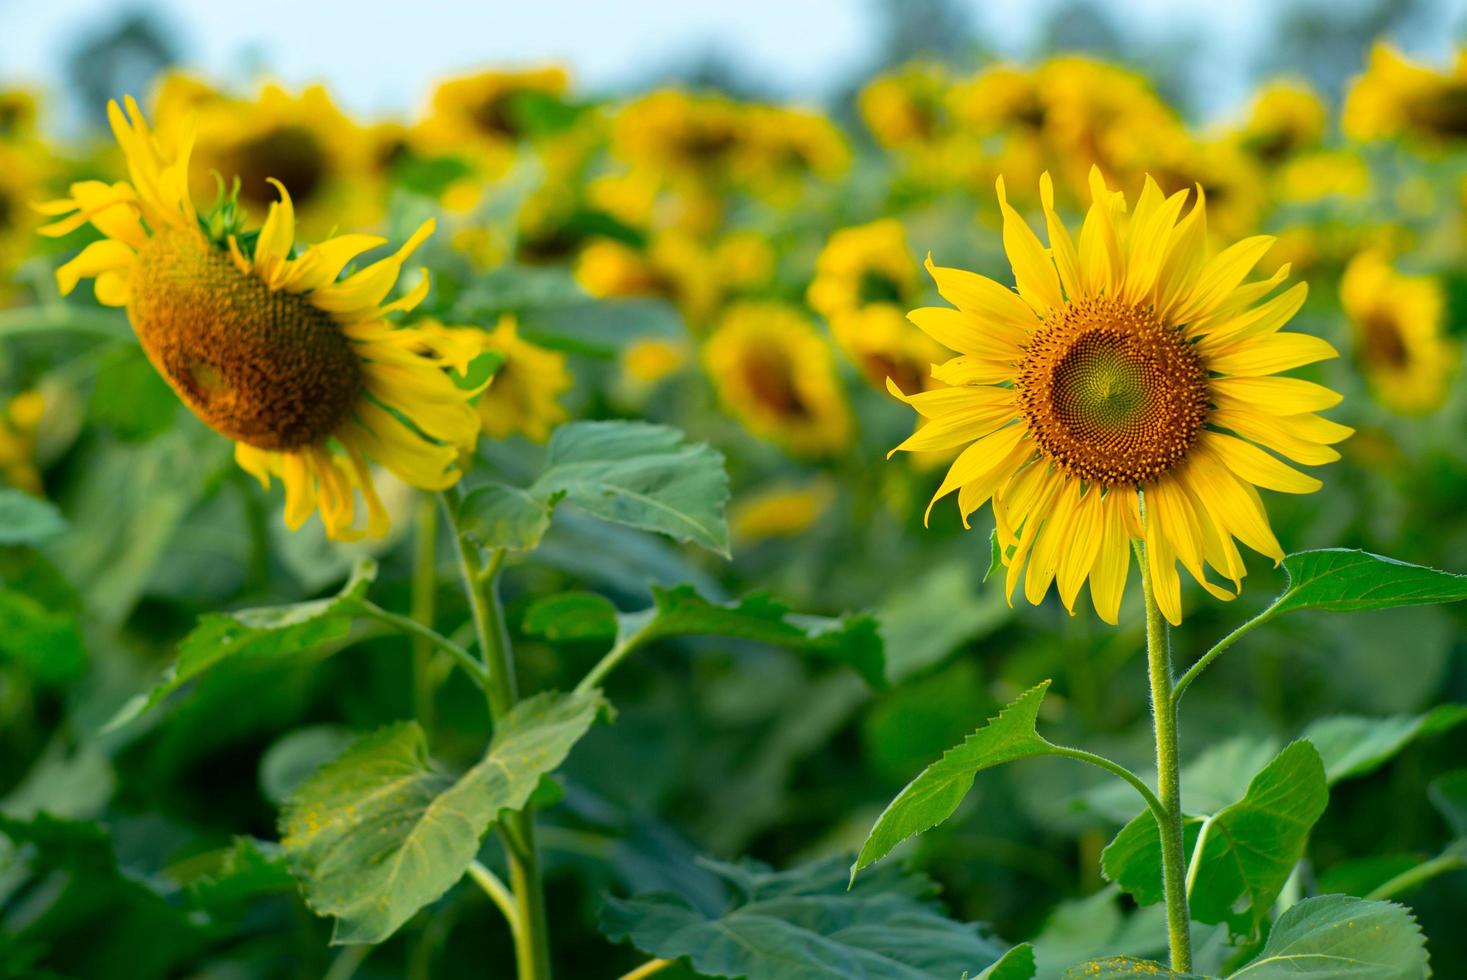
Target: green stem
{"x": 500, "y": 895}
{"x": 1168, "y": 781}
{"x": 420, "y": 632}
{"x": 347, "y": 962}
{"x": 620, "y": 651}
{"x": 1186, "y": 679}
{"x": 65, "y": 319}
{"x": 1152, "y": 803}
{"x": 647, "y": 969}
{"x": 425, "y": 581}
{"x": 481, "y": 583}
{"x": 1418, "y": 875}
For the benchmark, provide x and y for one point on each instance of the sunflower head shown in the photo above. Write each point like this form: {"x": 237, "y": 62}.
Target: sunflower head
{"x": 1126, "y": 391}
{"x": 1395, "y": 96}
{"x": 863, "y": 265}
{"x": 271, "y": 347}
{"x": 1398, "y": 331}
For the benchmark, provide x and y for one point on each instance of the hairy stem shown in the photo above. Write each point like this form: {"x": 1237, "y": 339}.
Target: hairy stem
{"x": 517, "y": 830}
{"x": 425, "y": 567}
{"x": 1169, "y": 786}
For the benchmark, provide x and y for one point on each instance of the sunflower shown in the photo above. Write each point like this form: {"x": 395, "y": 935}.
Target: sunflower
{"x": 485, "y": 114}
{"x": 1122, "y": 393}
{"x": 863, "y": 265}
{"x": 782, "y": 511}
{"x": 301, "y": 139}
{"x": 682, "y": 135}
{"x": 521, "y": 396}
{"x": 673, "y": 266}
{"x": 786, "y": 148}
{"x": 19, "y": 421}
{"x": 18, "y": 114}
{"x": 884, "y": 345}
{"x": 1286, "y": 117}
{"x": 269, "y": 348}
{"x": 907, "y": 109}
{"x": 22, "y": 169}
{"x": 1396, "y": 96}
{"x": 1399, "y": 342}
{"x": 776, "y": 374}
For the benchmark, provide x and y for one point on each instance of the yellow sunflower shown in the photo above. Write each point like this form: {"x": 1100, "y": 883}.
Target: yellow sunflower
{"x": 22, "y": 170}
{"x": 1287, "y": 116}
{"x": 673, "y": 266}
{"x": 485, "y": 114}
{"x": 521, "y": 397}
{"x": 19, "y": 421}
{"x": 907, "y": 109}
{"x": 1124, "y": 392}
{"x": 299, "y": 367}
{"x": 1399, "y": 342}
{"x": 1396, "y": 96}
{"x": 18, "y": 114}
{"x": 301, "y": 139}
{"x": 863, "y": 265}
{"x": 776, "y": 374}
{"x": 884, "y": 345}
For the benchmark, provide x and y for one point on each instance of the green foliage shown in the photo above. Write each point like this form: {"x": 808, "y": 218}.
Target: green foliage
{"x": 1125, "y": 968}
{"x": 634, "y": 473}
{"x": 380, "y": 832}
{"x": 804, "y": 924}
{"x": 1250, "y": 850}
{"x": 1016, "y": 964}
{"x": 274, "y": 631}
{"x": 853, "y": 640}
{"x": 1343, "y": 580}
{"x": 935, "y": 794}
{"x": 130, "y": 398}
{"x": 25, "y": 519}
{"x": 1341, "y": 938}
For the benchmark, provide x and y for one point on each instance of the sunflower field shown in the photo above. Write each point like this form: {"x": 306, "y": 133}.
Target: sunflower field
{"x": 672, "y": 533}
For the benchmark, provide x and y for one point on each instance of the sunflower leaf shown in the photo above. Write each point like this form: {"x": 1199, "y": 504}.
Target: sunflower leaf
{"x": 641, "y": 475}
{"x": 1334, "y": 936}
{"x": 805, "y": 923}
{"x": 25, "y": 519}
{"x": 935, "y": 794}
{"x": 1125, "y": 968}
{"x": 496, "y": 515}
{"x": 271, "y": 631}
{"x": 1345, "y": 580}
{"x": 1016, "y": 964}
{"x": 380, "y": 832}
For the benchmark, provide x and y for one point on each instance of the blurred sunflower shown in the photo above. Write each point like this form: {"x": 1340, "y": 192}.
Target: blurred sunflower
{"x": 781, "y": 511}
{"x": 21, "y": 176}
{"x": 863, "y": 265}
{"x": 302, "y": 140}
{"x": 19, "y": 422}
{"x": 682, "y": 135}
{"x": 522, "y": 395}
{"x": 883, "y": 344}
{"x": 1396, "y": 96}
{"x": 776, "y": 374}
{"x": 786, "y": 148}
{"x": 484, "y": 115}
{"x": 1399, "y": 343}
{"x": 1123, "y": 393}
{"x": 673, "y": 266}
{"x": 1286, "y": 117}
{"x": 908, "y": 108}
{"x": 269, "y": 347}
{"x": 1232, "y": 181}
{"x": 18, "y": 114}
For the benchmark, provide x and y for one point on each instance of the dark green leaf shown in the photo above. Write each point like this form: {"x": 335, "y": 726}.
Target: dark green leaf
{"x": 1336, "y": 937}
{"x": 1344, "y": 580}
{"x": 1133, "y": 857}
{"x": 130, "y": 397}
{"x": 1353, "y": 746}
{"x": 1449, "y": 795}
{"x": 380, "y": 832}
{"x": 1253, "y": 845}
{"x": 932, "y": 797}
{"x": 47, "y": 641}
{"x": 247, "y": 870}
{"x": 641, "y": 475}
{"x": 499, "y": 516}
{"x": 572, "y": 616}
{"x": 27, "y": 520}
{"x": 272, "y": 631}
{"x": 926, "y": 619}
{"x": 805, "y": 925}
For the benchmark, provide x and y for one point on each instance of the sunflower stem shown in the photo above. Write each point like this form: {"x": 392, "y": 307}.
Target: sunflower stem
{"x": 1169, "y": 784}
{"x": 517, "y": 830}
{"x": 424, "y": 585}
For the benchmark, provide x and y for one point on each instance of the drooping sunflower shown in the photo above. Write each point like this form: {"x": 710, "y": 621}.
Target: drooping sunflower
{"x": 301, "y": 368}
{"x": 1396, "y": 96}
{"x": 1398, "y": 333}
{"x": 1125, "y": 391}
{"x": 774, "y": 372}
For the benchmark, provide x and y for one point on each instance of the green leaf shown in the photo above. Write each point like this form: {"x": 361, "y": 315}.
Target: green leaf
{"x": 804, "y": 925}
{"x": 1125, "y": 968}
{"x": 27, "y": 520}
{"x": 853, "y": 640}
{"x": 271, "y": 631}
{"x": 935, "y": 794}
{"x": 1251, "y": 848}
{"x": 1354, "y": 746}
{"x": 641, "y": 475}
{"x": 380, "y": 832}
{"x": 46, "y": 640}
{"x": 246, "y": 870}
{"x": 1344, "y": 580}
{"x": 995, "y": 555}
{"x": 1016, "y": 964}
{"x": 130, "y": 397}
{"x": 927, "y": 618}
{"x": 1336, "y": 937}
{"x": 499, "y": 516}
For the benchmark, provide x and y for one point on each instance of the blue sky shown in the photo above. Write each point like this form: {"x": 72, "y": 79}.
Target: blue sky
{"x": 382, "y": 57}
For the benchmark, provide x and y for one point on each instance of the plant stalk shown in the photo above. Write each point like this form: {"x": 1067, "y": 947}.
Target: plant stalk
{"x": 424, "y": 584}
{"x": 481, "y": 583}
{"x": 1169, "y": 784}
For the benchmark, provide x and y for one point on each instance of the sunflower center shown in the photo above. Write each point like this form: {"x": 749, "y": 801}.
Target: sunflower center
{"x": 771, "y": 380}
{"x": 1111, "y": 394}
{"x": 878, "y": 287}
{"x": 263, "y": 368}
{"x": 291, "y": 154}
{"x": 1384, "y": 345}
{"x": 1443, "y": 112}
